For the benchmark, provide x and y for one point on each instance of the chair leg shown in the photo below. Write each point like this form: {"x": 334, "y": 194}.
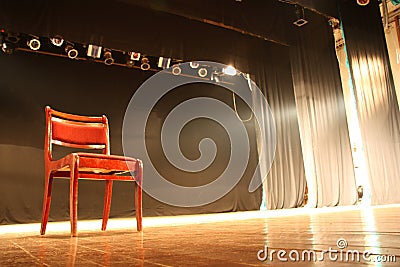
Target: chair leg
{"x": 138, "y": 194}
{"x": 107, "y": 203}
{"x": 138, "y": 205}
{"x": 73, "y": 197}
{"x": 46, "y": 201}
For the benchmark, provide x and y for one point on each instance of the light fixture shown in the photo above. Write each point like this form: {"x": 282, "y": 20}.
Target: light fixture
{"x": 202, "y": 72}
{"x": 176, "y": 70}
{"x": 360, "y": 192}
{"x": 164, "y": 62}
{"x": 57, "y": 40}
{"x": 229, "y": 70}
{"x": 7, "y": 48}
{"x": 94, "y": 51}
{"x": 134, "y": 56}
{"x": 363, "y": 2}
{"x": 12, "y": 37}
{"x": 300, "y": 20}
{"x": 108, "y": 59}
{"x": 145, "y": 63}
{"x": 194, "y": 65}
{"x": 34, "y": 43}
{"x": 71, "y": 51}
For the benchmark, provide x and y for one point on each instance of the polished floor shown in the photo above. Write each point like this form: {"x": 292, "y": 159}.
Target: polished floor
{"x": 345, "y": 236}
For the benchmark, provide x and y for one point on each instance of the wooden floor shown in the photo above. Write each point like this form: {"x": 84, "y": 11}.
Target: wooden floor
{"x": 231, "y": 239}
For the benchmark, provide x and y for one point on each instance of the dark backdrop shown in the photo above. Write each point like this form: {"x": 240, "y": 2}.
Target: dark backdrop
{"x": 31, "y": 81}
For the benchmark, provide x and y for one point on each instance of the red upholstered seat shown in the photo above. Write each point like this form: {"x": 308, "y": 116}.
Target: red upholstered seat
{"x": 87, "y": 133}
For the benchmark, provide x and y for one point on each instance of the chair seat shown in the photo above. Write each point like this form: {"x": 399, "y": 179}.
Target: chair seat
{"x": 98, "y": 164}
{"x": 97, "y": 170}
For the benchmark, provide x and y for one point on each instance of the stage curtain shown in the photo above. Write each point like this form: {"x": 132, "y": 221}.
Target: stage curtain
{"x": 322, "y": 117}
{"x": 285, "y": 183}
{"x": 376, "y": 102}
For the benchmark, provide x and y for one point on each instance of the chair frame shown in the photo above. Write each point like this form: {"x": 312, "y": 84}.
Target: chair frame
{"x": 93, "y": 166}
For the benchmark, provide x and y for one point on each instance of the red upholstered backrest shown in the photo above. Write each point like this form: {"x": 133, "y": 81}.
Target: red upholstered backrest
{"x": 79, "y": 133}
{"x": 75, "y": 131}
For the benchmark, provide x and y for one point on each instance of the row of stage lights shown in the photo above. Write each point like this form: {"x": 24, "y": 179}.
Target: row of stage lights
{"x": 57, "y": 46}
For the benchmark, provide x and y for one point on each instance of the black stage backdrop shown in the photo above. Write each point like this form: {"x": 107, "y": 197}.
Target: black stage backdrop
{"x": 30, "y": 81}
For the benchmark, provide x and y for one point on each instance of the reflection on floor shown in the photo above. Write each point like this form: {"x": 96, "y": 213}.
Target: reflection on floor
{"x": 345, "y": 236}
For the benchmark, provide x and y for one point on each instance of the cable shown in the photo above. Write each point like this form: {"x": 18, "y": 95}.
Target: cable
{"x": 234, "y": 101}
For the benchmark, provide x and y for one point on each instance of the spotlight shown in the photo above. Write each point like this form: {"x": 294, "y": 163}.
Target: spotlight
{"x": 57, "y": 40}
{"x": 229, "y": 70}
{"x": 300, "y": 21}
{"x": 202, "y": 72}
{"x": 108, "y": 60}
{"x": 94, "y": 51}
{"x": 194, "y": 65}
{"x": 12, "y": 38}
{"x": 360, "y": 192}
{"x": 134, "y": 56}
{"x": 145, "y": 63}
{"x": 164, "y": 62}
{"x": 176, "y": 70}
{"x": 34, "y": 44}
{"x": 7, "y": 48}
{"x": 363, "y": 2}
{"x": 71, "y": 51}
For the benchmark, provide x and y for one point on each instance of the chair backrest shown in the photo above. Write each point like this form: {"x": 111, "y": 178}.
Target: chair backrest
{"x": 75, "y": 131}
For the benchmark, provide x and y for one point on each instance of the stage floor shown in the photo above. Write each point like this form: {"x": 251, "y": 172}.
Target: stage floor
{"x": 340, "y": 236}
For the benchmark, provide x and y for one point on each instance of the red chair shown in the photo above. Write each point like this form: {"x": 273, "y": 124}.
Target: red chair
{"x": 87, "y": 133}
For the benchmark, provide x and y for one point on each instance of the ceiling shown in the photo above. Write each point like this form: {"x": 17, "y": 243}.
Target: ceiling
{"x": 115, "y": 21}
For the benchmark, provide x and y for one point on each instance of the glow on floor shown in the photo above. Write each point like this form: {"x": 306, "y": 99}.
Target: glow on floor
{"x": 160, "y": 221}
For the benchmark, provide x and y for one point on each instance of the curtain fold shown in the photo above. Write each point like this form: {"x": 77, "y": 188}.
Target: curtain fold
{"x": 284, "y": 184}
{"x": 322, "y": 117}
{"x": 376, "y": 102}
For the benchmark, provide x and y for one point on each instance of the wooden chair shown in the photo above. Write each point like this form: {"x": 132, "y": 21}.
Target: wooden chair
{"x": 85, "y": 133}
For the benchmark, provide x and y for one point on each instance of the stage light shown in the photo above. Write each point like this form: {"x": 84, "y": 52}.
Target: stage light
{"x": 108, "y": 59}
{"x": 202, "y": 72}
{"x": 194, "y": 65}
{"x": 164, "y": 62}
{"x": 134, "y": 56}
{"x": 71, "y": 51}
{"x": 360, "y": 192}
{"x": 300, "y": 21}
{"x": 145, "y": 63}
{"x": 229, "y": 70}
{"x": 34, "y": 43}
{"x": 7, "y": 48}
{"x": 12, "y": 38}
{"x": 363, "y": 2}
{"x": 94, "y": 51}
{"x": 57, "y": 41}
{"x": 176, "y": 70}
